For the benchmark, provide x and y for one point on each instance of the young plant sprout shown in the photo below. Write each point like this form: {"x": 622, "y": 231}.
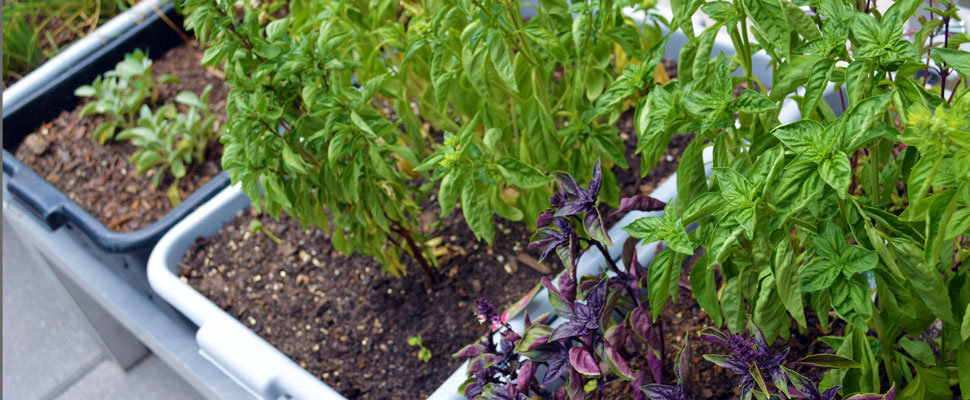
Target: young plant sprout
{"x": 424, "y": 354}
{"x": 256, "y": 226}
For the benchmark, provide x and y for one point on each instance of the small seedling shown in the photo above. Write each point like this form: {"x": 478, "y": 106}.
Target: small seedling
{"x": 257, "y": 226}
{"x": 120, "y": 94}
{"x": 423, "y": 353}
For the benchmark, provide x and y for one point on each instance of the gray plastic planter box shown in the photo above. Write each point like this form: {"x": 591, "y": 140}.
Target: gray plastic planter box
{"x": 49, "y": 90}
{"x": 268, "y": 373}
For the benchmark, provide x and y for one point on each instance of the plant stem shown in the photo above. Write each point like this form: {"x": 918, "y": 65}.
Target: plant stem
{"x": 887, "y": 356}
{"x": 416, "y": 252}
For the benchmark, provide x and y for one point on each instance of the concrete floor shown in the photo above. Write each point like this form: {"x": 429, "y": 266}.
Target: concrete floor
{"x": 48, "y": 351}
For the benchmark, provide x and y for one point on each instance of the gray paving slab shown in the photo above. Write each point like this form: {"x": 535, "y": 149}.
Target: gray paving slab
{"x": 45, "y": 343}
{"x": 151, "y": 379}
{"x": 49, "y": 351}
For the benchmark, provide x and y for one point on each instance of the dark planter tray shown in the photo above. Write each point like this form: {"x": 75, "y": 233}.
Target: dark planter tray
{"x": 125, "y": 254}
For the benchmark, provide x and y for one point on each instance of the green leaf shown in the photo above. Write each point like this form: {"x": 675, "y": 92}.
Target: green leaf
{"x": 837, "y": 172}
{"x": 534, "y": 334}
{"x": 770, "y": 24}
{"x": 732, "y": 305}
{"x": 963, "y": 366}
{"x": 959, "y": 223}
{"x": 857, "y": 80}
{"x": 800, "y": 21}
{"x": 829, "y": 361}
{"x": 650, "y": 229}
{"x": 522, "y": 175}
{"x": 817, "y": 82}
{"x": 105, "y": 131}
{"x": 293, "y": 160}
{"x": 691, "y": 178}
{"x": 965, "y": 326}
{"x": 492, "y": 138}
{"x": 190, "y": 99}
{"x": 448, "y": 192}
{"x": 799, "y": 136}
{"x": 703, "y": 206}
{"x": 752, "y": 102}
{"x": 850, "y": 298}
{"x": 786, "y": 279}
{"x": 919, "y": 350}
{"x": 664, "y": 268}
{"x": 362, "y": 125}
{"x": 173, "y": 194}
{"x": 817, "y": 275}
{"x": 581, "y": 27}
{"x": 704, "y": 287}
{"x": 85, "y": 91}
{"x": 720, "y": 11}
{"x": 956, "y": 59}
{"x": 499, "y": 52}
{"x": 866, "y": 29}
{"x": 926, "y": 280}
{"x": 857, "y": 259}
{"x": 475, "y": 208}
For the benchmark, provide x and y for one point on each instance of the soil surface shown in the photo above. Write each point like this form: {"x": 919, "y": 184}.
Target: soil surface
{"x": 341, "y": 318}
{"x": 99, "y": 177}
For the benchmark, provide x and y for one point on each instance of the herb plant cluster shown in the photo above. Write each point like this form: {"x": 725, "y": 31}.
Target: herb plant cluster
{"x": 335, "y": 108}
{"x": 166, "y": 139}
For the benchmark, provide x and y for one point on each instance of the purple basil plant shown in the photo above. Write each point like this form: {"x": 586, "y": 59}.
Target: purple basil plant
{"x": 603, "y": 315}
{"x": 752, "y": 358}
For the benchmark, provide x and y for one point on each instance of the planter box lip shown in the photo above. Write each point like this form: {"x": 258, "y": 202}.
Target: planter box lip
{"x": 96, "y": 53}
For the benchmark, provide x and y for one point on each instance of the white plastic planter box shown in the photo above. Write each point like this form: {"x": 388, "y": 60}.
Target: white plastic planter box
{"x": 268, "y": 373}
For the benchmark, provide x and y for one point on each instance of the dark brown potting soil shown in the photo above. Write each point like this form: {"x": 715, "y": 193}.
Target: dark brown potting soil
{"x": 346, "y": 322}
{"x": 99, "y": 177}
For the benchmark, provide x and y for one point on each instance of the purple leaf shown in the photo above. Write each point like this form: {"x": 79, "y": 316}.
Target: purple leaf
{"x": 583, "y": 362}
{"x": 758, "y": 336}
{"x": 545, "y": 219}
{"x": 573, "y": 207}
{"x": 563, "y": 307}
{"x": 891, "y": 394}
{"x": 637, "y": 384}
{"x": 617, "y": 359}
{"x": 472, "y": 350}
{"x": 713, "y": 335}
{"x": 660, "y": 392}
{"x": 593, "y": 222}
{"x": 597, "y": 181}
{"x": 558, "y": 365}
{"x": 567, "y": 183}
{"x": 729, "y": 362}
{"x": 567, "y": 288}
{"x": 656, "y": 365}
{"x": 597, "y": 298}
{"x": 829, "y": 394}
{"x": 640, "y": 202}
{"x": 641, "y": 323}
{"x": 568, "y": 330}
{"x": 526, "y": 375}
{"x": 576, "y": 387}
{"x": 803, "y": 385}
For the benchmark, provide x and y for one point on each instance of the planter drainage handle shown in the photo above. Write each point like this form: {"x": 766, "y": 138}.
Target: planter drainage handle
{"x": 39, "y": 197}
{"x": 262, "y": 370}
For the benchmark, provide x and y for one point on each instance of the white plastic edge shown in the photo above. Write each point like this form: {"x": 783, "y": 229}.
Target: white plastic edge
{"x": 244, "y": 356}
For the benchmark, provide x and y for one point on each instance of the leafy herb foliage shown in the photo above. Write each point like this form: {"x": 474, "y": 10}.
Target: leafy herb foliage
{"x": 861, "y": 213}
{"x": 166, "y": 139}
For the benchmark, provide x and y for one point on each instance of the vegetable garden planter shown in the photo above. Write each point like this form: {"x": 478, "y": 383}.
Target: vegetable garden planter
{"x": 265, "y": 370}
{"x": 49, "y": 90}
